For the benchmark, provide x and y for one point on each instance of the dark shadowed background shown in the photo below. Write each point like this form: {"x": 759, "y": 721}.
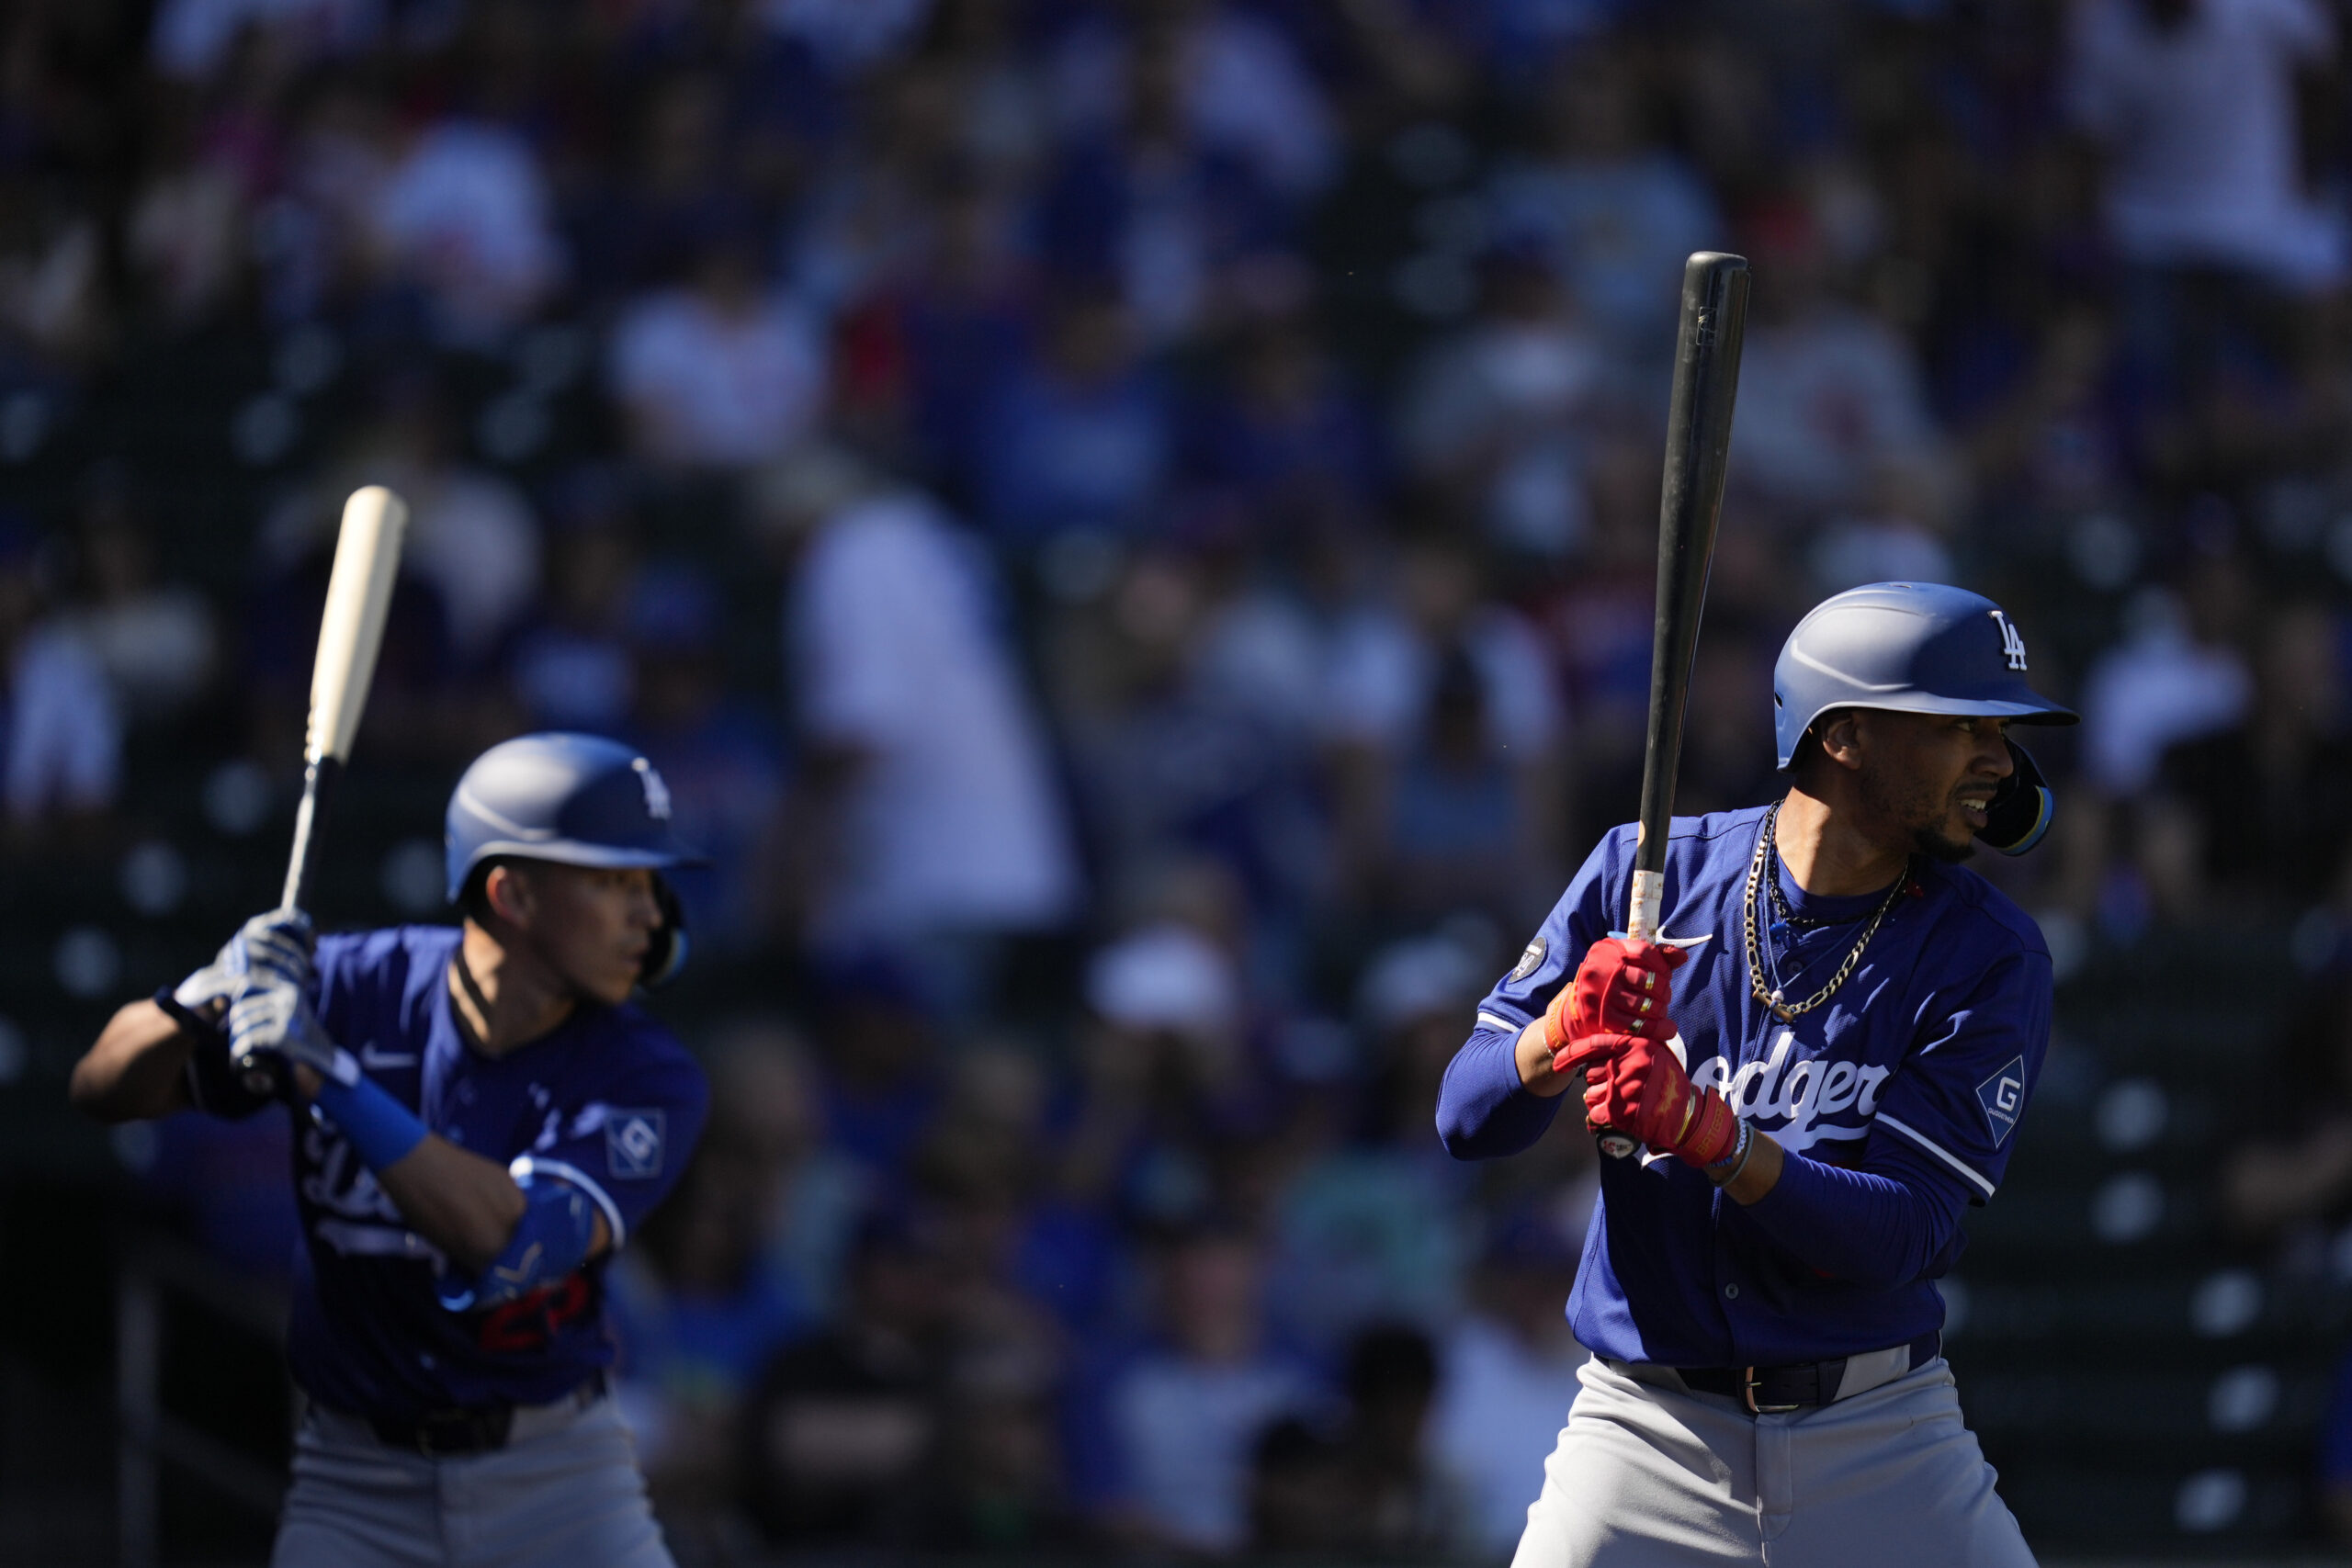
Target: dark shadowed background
{"x": 1127, "y": 525}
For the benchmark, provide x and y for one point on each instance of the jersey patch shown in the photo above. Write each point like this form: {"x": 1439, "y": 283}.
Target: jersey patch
{"x": 2002, "y": 1096}
{"x": 633, "y": 1145}
{"x": 1531, "y": 960}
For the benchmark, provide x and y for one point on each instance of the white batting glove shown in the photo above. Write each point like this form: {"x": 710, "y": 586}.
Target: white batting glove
{"x": 272, "y": 1022}
{"x": 266, "y": 969}
{"x": 276, "y": 943}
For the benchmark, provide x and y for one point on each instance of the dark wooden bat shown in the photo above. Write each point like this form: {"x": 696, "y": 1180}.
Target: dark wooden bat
{"x": 1698, "y": 441}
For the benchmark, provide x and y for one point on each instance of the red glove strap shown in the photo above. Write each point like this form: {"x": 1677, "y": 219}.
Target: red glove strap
{"x": 1713, "y": 1132}
{"x": 1646, "y": 1094}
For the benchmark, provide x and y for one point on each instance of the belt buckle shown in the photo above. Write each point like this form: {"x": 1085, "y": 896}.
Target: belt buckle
{"x": 443, "y": 1432}
{"x": 1748, "y": 1382}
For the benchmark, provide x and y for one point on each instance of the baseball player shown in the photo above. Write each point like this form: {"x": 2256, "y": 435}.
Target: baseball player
{"x": 1823, "y": 1060}
{"x": 481, "y": 1117}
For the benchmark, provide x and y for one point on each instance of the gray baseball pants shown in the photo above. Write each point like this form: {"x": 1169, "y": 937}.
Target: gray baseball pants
{"x": 1648, "y": 1474}
{"x": 564, "y": 1493}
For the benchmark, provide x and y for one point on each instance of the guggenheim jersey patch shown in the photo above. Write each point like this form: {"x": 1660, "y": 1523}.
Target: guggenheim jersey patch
{"x": 633, "y": 1143}
{"x": 2002, "y": 1096}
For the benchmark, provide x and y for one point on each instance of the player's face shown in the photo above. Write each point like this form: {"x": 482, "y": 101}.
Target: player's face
{"x": 592, "y": 927}
{"x": 1930, "y": 777}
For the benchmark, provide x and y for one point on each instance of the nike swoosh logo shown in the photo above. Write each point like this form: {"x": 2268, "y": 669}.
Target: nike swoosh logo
{"x": 371, "y": 1057}
{"x": 1666, "y": 941}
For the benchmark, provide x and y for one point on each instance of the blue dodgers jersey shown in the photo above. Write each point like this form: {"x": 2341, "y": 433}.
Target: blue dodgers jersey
{"x": 1918, "y": 1068}
{"x": 608, "y": 1101}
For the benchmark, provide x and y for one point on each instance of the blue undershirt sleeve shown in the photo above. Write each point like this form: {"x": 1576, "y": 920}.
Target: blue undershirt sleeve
{"x": 1483, "y": 1111}
{"x": 1880, "y": 1226}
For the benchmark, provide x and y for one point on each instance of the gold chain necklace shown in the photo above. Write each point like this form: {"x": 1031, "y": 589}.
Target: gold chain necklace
{"x": 1780, "y": 1006}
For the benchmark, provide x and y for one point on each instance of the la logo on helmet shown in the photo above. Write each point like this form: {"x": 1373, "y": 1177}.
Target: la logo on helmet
{"x": 2012, "y": 643}
{"x": 657, "y": 793}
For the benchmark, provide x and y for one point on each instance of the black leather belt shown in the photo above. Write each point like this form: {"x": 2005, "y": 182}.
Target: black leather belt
{"x": 437, "y": 1433}
{"x": 1772, "y": 1391}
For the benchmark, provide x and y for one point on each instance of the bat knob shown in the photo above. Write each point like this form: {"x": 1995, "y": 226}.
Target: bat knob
{"x": 1616, "y": 1146}
{"x": 259, "y": 1077}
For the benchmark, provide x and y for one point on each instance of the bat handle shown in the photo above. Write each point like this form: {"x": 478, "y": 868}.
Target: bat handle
{"x": 1646, "y": 905}
{"x": 318, "y": 781}
{"x": 1640, "y": 925}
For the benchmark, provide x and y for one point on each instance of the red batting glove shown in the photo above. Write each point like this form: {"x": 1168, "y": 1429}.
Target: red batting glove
{"x": 1622, "y": 988}
{"x": 1645, "y": 1094}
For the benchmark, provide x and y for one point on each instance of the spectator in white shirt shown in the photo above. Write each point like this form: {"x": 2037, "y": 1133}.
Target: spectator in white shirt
{"x": 470, "y": 532}
{"x": 1500, "y": 412}
{"x": 1185, "y": 1417}
{"x": 927, "y": 780}
{"x": 2176, "y": 676}
{"x": 2194, "y": 102}
{"x": 1445, "y": 723}
{"x": 465, "y": 216}
{"x": 1831, "y": 396}
{"x": 726, "y": 372}
{"x": 1509, "y": 1369}
{"x": 1618, "y": 210}
{"x": 61, "y": 735}
{"x": 156, "y": 639}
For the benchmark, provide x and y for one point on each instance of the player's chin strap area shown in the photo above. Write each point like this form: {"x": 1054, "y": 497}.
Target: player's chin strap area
{"x": 667, "y": 954}
{"x": 2019, "y": 816}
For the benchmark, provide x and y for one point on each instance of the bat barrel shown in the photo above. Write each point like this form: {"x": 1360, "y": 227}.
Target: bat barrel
{"x": 1698, "y": 443}
{"x": 351, "y": 631}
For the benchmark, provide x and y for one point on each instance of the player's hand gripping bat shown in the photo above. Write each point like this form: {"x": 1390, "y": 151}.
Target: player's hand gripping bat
{"x": 1697, "y": 441}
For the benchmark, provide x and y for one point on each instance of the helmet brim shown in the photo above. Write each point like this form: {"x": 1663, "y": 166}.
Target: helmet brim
{"x": 593, "y": 857}
{"x": 2030, "y": 708}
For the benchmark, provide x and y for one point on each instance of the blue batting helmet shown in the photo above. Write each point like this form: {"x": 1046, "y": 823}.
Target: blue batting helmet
{"x": 576, "y": 800}
{"x": 1911, "y": 647}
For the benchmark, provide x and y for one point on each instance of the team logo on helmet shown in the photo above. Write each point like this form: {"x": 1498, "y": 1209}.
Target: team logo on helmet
{"x": 2012, "y": 640}
{"x": 657, "y": 793}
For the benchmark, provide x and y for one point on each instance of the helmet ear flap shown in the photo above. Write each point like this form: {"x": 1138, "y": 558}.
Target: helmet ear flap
{"x": 667, "y": 953}
{"x": 2019, "y": 812}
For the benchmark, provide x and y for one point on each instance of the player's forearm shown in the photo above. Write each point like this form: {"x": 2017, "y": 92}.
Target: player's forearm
{"x": 1864, "y": 1226}
{"x": 136, "y": 1071}
{"x": 1532, "y": 1058}
{"x": 462, "y": 1204}
{"x": 1748, "y": 1181}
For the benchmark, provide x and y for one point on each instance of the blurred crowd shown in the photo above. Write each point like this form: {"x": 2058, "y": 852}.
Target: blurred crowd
{"x": 1128, "y": 526}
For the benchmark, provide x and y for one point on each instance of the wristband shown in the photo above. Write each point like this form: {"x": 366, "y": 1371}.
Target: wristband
{"x": 378, "y": 1127}
{"x": 1736, "y": 1159}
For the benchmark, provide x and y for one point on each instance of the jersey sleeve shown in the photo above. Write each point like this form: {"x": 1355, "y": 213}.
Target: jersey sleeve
{"x": 625, "y": 1142}
{"x": 351, "y": 972}
{"x": 1957, "y": 1096}
{"x": 1482, "y": 1109}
